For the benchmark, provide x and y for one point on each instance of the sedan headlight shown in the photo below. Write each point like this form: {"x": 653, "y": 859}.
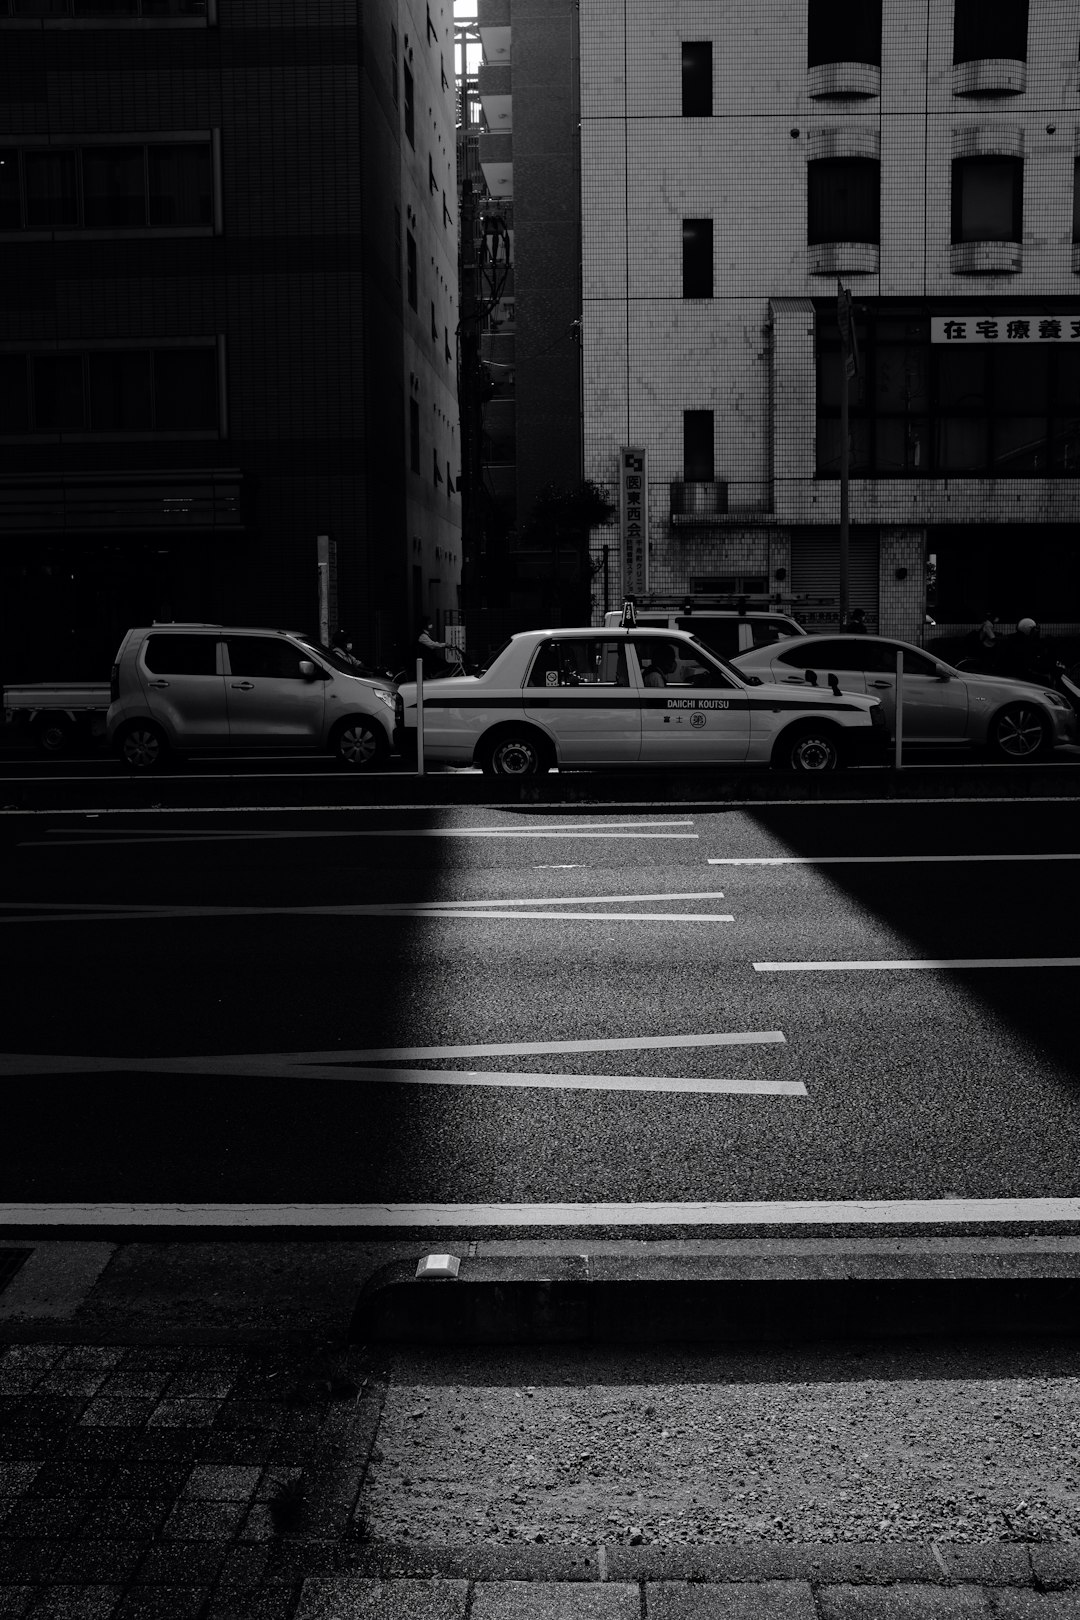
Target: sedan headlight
{"x": 384, "y": 696}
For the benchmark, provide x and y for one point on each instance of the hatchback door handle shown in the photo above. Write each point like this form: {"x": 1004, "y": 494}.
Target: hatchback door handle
{"x": 157, "y": 685}
{"x": 243, "y": 686}
{"x": 879, "y": 683}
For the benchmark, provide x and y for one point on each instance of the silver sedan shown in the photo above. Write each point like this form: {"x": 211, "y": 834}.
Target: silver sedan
{"x": 943, "y": 706}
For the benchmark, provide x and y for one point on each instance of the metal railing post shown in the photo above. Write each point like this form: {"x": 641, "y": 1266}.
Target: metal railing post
{"x": 419, "y": 717}
{"x": 899, "y": 707}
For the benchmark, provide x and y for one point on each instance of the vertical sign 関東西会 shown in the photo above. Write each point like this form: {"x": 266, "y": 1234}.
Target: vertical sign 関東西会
{"x": 634, "y": 518}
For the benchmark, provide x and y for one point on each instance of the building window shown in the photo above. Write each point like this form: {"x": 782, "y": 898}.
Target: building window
{"x": 988, "y": 199}
{"x": 162, "y": 186}
{"x": 410, "y": 110}
{"x": 414, "y": 436}
{"x": 434, "y": 324}
{"x": 939, "y": 410}
{"x": 410, "y": 270}
{"x": 697, "y": 258}
{"x": 433, "y": 184}
{"x": 103, "y": 8}
{"x": 699, "y": 464}
{"x": 394, "y": 65}
{"x": 843, "y": 31}
{"x": 843, "y": 200}
{"x": 397, "y": 246}
{"x": 697, "y": 79}
{"x": 983, "y": 29}
{"x": 52, "y": 201}
{"x": 167, "y": 390}
{"x": 1076, "y": 201}
{"x": 436, "y": 475}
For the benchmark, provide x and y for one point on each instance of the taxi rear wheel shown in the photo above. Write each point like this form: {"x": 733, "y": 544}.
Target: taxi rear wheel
{"x": 809, "y": 748}
{"x": 516, "y": 753}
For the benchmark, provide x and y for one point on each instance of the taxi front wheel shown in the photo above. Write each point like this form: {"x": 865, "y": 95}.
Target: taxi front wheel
{"x": 809, "y": 748}
{"x": 515, "y": 753}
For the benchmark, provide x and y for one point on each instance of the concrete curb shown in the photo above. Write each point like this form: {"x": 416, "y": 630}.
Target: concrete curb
{"x": 818, "y": 1563}
{"x": 720, "y": 787}
{"x": 726, "y": 1292}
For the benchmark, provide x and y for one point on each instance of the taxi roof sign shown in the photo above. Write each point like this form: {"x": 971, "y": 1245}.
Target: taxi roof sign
{"x": 629, "y": 614}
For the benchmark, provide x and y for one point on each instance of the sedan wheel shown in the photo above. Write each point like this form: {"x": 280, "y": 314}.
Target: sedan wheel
{"x": 515, "y": 755}
{"x": 811, "y": 749}
{"x": 358, "y": 745}
{"x": 1019, "y": 733}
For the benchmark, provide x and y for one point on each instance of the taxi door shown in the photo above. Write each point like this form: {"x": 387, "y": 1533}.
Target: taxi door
{"x": 691, "y": 712}
{"x": 579, "y": 690}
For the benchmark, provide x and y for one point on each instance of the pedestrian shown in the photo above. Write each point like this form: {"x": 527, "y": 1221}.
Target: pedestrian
{"x": 987, "y": 633}
{"x": 856, "y": 624}
{"x": 432, "y": 652}
{"x": 1026, "y": 656}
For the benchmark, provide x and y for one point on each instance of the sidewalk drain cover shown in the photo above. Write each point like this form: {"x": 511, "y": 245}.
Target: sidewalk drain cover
{"x": 10, "y": 1261}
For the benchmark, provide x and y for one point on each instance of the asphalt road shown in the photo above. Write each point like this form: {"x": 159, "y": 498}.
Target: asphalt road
{"x": 245, "y": 1007}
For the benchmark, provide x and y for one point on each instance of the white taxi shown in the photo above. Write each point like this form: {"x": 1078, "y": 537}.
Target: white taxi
{"x": 628, "y": 696}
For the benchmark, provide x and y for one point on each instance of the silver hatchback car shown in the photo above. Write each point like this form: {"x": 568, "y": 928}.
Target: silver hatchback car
{"x": 208, "y": 688}
{"x": 943, "y": 706}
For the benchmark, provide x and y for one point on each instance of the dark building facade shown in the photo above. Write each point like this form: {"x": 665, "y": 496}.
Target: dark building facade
{"x": 529, "y": 153}
{"x": 227, "y": 306}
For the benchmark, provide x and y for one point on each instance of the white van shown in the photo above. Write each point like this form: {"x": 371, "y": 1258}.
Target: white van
{"x": 725, "y": 630}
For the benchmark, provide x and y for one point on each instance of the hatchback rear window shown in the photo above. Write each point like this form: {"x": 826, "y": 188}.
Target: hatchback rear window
{"x": 181, "y": 655}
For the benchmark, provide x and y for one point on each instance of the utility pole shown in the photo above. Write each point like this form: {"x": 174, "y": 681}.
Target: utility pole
{"x": 849, "y": 354}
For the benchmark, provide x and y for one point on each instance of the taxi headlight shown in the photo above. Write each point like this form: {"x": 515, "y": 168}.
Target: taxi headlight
{"x": 384, "y": 696}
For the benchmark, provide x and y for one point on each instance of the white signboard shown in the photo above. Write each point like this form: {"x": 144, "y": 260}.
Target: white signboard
{"x": 634, "y": 517}
{"x": 1005, "y": 329}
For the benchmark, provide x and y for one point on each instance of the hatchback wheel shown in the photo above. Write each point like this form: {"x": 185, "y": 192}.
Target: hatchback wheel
{"x": 142, "y": 747}
{"x": 359, "y": 744}
{"x": 810, "y": 748}
{"x": 515, "y": 754}
{"x": 1019, "y": 733}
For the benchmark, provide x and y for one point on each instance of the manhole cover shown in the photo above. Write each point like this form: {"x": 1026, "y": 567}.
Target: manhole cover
{"x": 10, "y": 1261}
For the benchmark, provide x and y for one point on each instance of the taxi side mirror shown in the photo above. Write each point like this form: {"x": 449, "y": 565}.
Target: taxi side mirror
{"x": 942, "y": 673}
{"x": 307, "y": 669}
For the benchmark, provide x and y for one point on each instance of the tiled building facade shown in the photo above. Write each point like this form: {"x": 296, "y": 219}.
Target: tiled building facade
{"x": 227, "y": 307}
{"x": 736, "y": 160}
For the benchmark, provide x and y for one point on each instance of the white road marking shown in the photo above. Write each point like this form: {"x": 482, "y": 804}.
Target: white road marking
{"x": 307, "y": 1063}
{"x": 924, "y": 962}
{"x": 853, "y": 1212}
{"x": 869, "y": 860}
{"x": 25, "y": 912}
{"x": 575, "y": 866}
{"x": 153, "y": 840}
{"x": 714, "y": 806}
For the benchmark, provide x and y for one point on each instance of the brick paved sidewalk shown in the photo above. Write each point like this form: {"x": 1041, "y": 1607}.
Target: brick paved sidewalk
{"x": 195, "y": 1483}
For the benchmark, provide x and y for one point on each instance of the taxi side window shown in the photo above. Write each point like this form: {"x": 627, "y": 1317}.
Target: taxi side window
{"x": 673, "y": 663}
{"x": 592, "y": 662}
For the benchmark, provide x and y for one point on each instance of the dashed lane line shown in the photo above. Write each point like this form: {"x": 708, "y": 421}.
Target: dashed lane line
{"x": 338, "y": 1064}
{"x": 618, "y": 830}
{"x": 25, "y": 913}
{"x": 871, "y": 860}
{"x": 907, "y": 963}
{"x": 794, "y": 1212}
